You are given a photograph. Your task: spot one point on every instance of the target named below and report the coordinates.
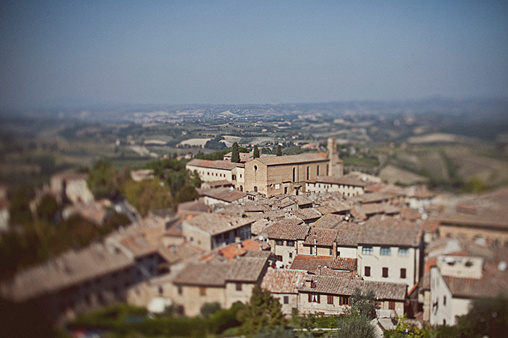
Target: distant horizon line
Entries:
(110, 105)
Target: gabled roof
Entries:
(307, 214)
(283, 280)
(216, 224)
(384, 230)
(491, 284)
(246, 269)
(288, 231)
(223, 194)
(311, 263)
(219, 164)
(329, 221)
(68, 269)
(346, 286)
(217, 272)
(321, 237)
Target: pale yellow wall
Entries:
(394, 263)
(472, 233)
(192, 301)
(196, 236)
(233, 296)
(284, 251)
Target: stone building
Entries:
(210, 171)
(209, 231)
(71, 187)
(217, 281)
(276, 175)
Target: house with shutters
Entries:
(389, 250)
(217, 280)
(331, 295)
(286, 239)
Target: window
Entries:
(317, 170)
(286, 299)
(344, 300)
(238, 286)
(308, 172)
(402, 273)
(385, 272)
(279, 242)
(331, 252)
(202, 291)
(180, 290)
(290, 255)
(338, 253)
(314, 298)
(385, 251)
(327, 170)
(161, 290)
(403, 252)
(279, 258)
(294, 174)
(367, 271)
(233, 177)
(255, 189)
(277, 186)
(367, 250)
(255, 168)
(290, 243)
(311, 250)
(444, 300)
(329, 299)
(391, 305)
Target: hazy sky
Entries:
(67, 53)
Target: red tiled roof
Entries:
(283, 280)
(288, 231)
(334, 285)
(224, 165)
(321, 237)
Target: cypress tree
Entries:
(256, 151)
(279, 150)
(235, 155)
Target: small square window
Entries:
(367, 250)
(279, 242)
(238, 286)
(385, 251)
(286, 299)
(403, 252)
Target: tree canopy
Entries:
(235, 155)
(262, 312)
(256, 151)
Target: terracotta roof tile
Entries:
(283, 280)
(288, 231)
(224, 165)
(321, 237)
(346, 286)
